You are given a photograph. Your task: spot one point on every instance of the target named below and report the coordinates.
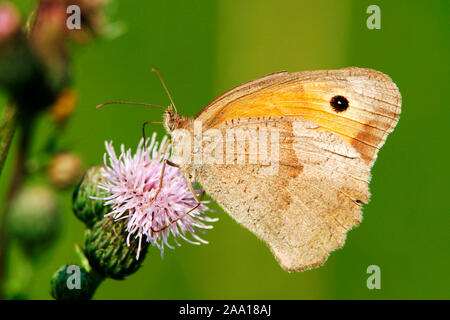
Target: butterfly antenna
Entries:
(126, 102)
(165, 88)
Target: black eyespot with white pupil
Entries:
(339, 103)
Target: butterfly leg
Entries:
(143, 129)
(163, 151)
(191, 188)
(165, 162)
(197, 200)
(160, 183)
(147, 123)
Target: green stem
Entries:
(7, 129)
(97, 280)
(19, 175)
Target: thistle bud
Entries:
(22, 71)
(34, 217)
(71, 282)
(108, 252)
(64, 170)
(85, 208)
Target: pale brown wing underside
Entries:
(304, 211)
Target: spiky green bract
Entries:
(86, 208)
(111, 252)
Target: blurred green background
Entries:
(204, 48)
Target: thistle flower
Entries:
(132, 182)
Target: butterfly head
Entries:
(173, 121)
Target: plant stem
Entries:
(7, 130)
(19, 175)
(97, 280)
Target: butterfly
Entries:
(329, 126)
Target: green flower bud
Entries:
(85, 208)
(71, 282)
(107, 250)
(34, 217)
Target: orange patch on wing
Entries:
(294, 101)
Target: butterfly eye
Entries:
(339, 103)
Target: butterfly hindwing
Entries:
(303, 210)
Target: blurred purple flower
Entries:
(132, 181)
(9, 21)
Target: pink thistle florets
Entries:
(132, 182)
